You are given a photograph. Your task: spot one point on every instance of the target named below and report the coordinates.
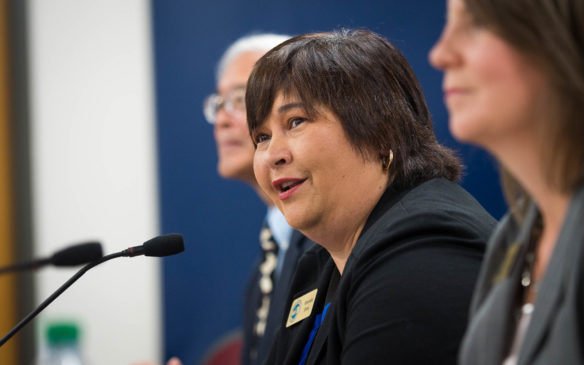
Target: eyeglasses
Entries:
(233, 102)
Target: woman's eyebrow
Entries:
(289, 106)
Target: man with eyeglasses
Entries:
(268, 285)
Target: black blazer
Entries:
(298, 244)
(404, 294)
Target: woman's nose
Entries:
(278, 151)
(443, 55)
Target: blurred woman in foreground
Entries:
(345, 148)
(514, 84)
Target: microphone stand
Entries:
(56, 294)
(160, 246)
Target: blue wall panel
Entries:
(220, 219)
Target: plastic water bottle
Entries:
(63, 347)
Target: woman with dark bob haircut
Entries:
(514, 84)
(345, 148)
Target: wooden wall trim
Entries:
(8, 353)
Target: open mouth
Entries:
(290, 184)
(287, 184)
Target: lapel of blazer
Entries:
(564, 258)
(492, 323)
(494, 315)
(324, 329)
(298, 244)
(297, 334)
(388, 199)
(321, 337)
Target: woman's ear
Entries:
(386, 160)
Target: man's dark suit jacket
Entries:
(298, 245)
(404, 294)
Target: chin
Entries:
(225, 172)
(293, 219)
(299, 219)
(463, 129)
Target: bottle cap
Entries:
(62, 332)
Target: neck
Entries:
(523, 161)
(552, 202)
(553, 207)
(339, 242)
(340, 234)
(340, 253)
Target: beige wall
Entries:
(93, 156)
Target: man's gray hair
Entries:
(260, 42)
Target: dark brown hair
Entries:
(550, 33)
(367, 83)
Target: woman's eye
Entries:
(261, 137)
(295, 122)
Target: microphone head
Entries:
(166, 245)
(77, 254)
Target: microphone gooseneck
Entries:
(153, 247)
(55, 295)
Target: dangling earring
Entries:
(387, 160)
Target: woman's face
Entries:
(308, 167)
(493, 94)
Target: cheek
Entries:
(260, 170)
(496, 87)
(331, 161)
(504, 73)
(512, 86)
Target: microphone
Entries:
(160, 246)
(74, 255)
